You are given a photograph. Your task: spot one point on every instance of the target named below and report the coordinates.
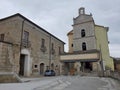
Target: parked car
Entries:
(49, 73)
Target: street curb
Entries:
(115, 79)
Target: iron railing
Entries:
(25, 43)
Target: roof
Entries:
(71, 32)
(106, 28)
(116, 60)
(18, 14)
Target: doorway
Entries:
(22, 64)
(41, 68)
(69, 68)
(88, 66)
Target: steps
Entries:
(9, 77)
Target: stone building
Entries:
(88, 46)
(26, 48)
(117, 64)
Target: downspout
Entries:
(22, 35)
(22, 29)
(50, 53)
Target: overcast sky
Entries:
(56, 16)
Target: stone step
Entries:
(9, 77)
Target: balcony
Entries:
(43, 48)
(25, 43)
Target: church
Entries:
(88, 47)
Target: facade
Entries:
(26, 48)
(88, 47)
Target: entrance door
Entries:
(22, 64)
(69, 68)
(88, 67)
(42, 68)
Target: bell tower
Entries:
(83, 32)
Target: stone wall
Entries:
(6, 57)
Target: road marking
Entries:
(62, 85)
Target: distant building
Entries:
(26, 48)
(88, 46)
(117, 64)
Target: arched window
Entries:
(82, 33)
(72, 45)
(83, 46)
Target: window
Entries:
(82, 33)
(71, 45)
(82, 11)
(43, 42)
(35, 66)
(59, 50)
(52, 48)
(26, 36)
(2, 37)
(25, 39)
(43, 47)
(83, 46)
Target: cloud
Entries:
(56, 16)
(114, 50)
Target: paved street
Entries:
(88, 83)
(63, 83)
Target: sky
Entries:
(56, 16)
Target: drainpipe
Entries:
(22, 29)
(50, 53)
(22, 35)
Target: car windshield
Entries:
(52, 71)
(47, 70)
